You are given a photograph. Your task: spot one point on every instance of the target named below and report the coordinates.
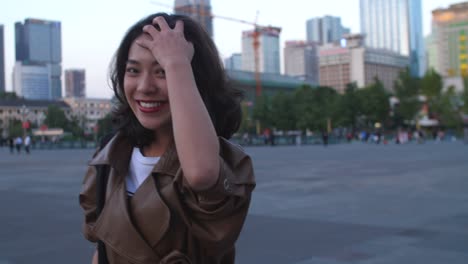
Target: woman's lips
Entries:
(151, 106)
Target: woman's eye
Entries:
(131, 70)
(160, 73)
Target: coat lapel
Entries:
(150, 214)
(115, 228)
(134, 232)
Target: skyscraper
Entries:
(234, 62)
(395, 25)
(325, 29)
(75, 83)
(199, 10)
(32, 81)
(301, 60)
(2, 61)
(268, 50)
(450, 40)
(39, 43)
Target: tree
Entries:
(314, 107)
(447, 109)
(326, 104)
(350, 106)
(283, 112)
(431, 84)
(56, 118)
(105, 126)
(15, 128)
(304, 108)
(465, 95)
(75, 128)
(262, 111)
(8, 95)
(375, 103)
(407, 91)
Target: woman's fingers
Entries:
(151, 30)
(144, 41)
(179, 26)
(161, 22)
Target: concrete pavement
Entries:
(351, 203)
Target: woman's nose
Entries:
(147, 83)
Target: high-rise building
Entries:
(301, 60)
(199, 10)
(2, 60)
(39, 42)
(268, 50)
(351, 62)
(325, 29)
(75, 83)
(450, 40)
(395, 25)
(431, 52)
(32, 81)
(234, 62)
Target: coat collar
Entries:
(116, 229)
(118, 151)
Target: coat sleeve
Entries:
(216, 216)
(87, 200)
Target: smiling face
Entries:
(146, 89)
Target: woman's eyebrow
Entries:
(130, 61)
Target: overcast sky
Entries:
(92, 29)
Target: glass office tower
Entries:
(39, 43)
(395, 25)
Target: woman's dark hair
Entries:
(221, 100)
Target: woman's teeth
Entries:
(150, 104)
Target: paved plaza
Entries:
(350, 203)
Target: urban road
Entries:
(349, 203)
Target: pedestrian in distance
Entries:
(325, 138)
(177, 190)
(27, 144)
(18, 144)
(11, 144)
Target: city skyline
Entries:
(38, 49)
(92, 30)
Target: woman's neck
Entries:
(162, 139)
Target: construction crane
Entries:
(258, 30)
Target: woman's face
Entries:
(145, 88)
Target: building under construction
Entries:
(199, 10)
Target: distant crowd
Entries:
(19, 143)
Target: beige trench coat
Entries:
(166, 221)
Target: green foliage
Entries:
(407, 90)
(375, 105)
(304, 108)
(105, 126)
(56, 118)
(465, 96)
(446, 108)
(350, 106)
(282, 111)
(262, 111)
(15, 128)
(431, 84)
(312, 107)
(75, 127)
(8, 95)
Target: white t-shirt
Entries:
(140, 168)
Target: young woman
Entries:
(178, 191)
